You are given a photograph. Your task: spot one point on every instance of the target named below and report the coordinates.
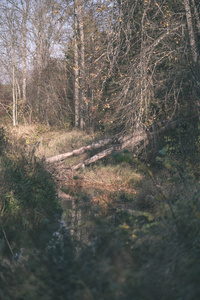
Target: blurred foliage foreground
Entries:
(92, 252)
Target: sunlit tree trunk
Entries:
(25, 12)
(76, 66)
(82, 67)
(14, 92)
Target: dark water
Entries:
(78, 218)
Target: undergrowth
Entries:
(144, 244)
(28, 198)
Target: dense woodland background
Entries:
(74, 72)
(100, 65)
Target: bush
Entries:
(3, 140)
(29, 203)
(30, 193)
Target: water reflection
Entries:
(78, 218)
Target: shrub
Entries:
(29, 192)
(3, 140)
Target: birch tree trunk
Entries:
(14, 81)
(14, 99)
(76, 66)
(82, 66)
(193, 44)
(25, 12)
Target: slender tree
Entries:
(25, 14)
(9, 35)
(82, 66)
(76, 66)
(191, 33)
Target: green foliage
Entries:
(123, 156)
(30, 195)
(184, 139)
(3, 140)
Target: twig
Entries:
(5, 236)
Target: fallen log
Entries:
(132, 140)
(94, 158)
(129, 141)
(79, 151)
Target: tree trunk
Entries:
(14, 99)
(82, 67)
(197, 17)
(76, 66)
(24, 33)
(191, 31)
(94, 158)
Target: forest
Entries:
(99, 149)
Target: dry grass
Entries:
(22, 131)
(49, 141)
(121, 174)
(104, 185)
(57, 142)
